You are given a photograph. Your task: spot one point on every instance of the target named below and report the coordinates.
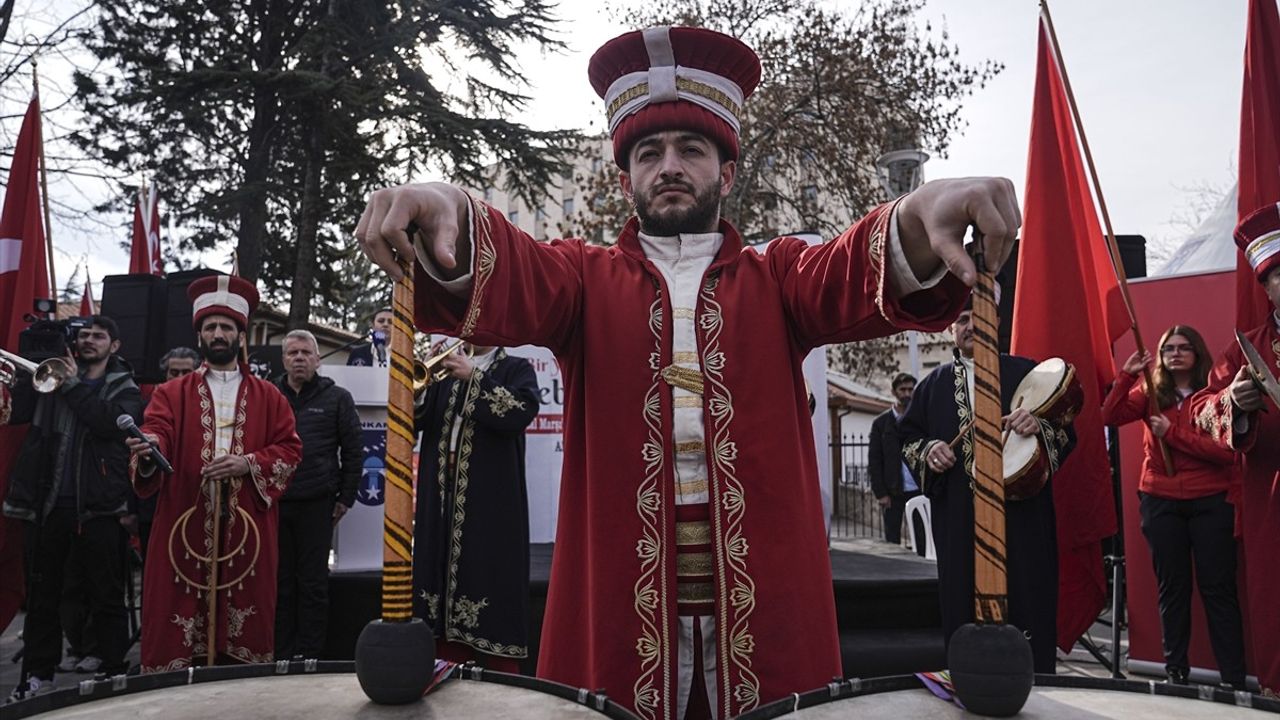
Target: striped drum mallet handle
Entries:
(990, 579)
(397, 551)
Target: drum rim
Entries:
(857, 687)
(88, 691)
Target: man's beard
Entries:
(701, 217)
(220, 354)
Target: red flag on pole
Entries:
(1259, 146)
(1064, 262)
(87, 305)
(144, 253)
(24, 276)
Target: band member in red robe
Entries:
(1228, 409)
(220, 427)
(691, 574)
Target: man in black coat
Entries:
(471, 534)
(70, 484)
(940, 407)
(322, 490)
(891, 481)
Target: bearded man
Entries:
(690, 575)
(229, 436)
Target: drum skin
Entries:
(1026, 466)
(318, 697)
(1051, 392)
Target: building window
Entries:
(596, 164)
(488, 194)
(568, 207)
(514, 217)
(810, 193)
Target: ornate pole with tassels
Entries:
(395, 655)
(991, 663)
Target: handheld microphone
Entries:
(126, 423)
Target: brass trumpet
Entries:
(45, 377)
(428, 371)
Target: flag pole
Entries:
(44, 181)
(1153, 408)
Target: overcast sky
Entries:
(1158, 83)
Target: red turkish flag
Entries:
(1259, 146)
(144, 252)
(24, 276)
(1068, 304)
(87, 306)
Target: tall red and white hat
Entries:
(674, 78)
(1258, 237)
(228, 295)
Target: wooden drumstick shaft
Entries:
(211, 596)
(397, 526)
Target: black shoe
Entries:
(1177, 676)
(1239, 685)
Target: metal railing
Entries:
(854, 510)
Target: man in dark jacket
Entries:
(322, 490)
(70, 485)
(891, 481)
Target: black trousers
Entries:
(96, 550)
(893, 520)
(1179, 531)
(302, 587)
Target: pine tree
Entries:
(270, 121)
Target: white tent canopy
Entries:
(1210, 247)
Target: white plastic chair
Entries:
(920, 504)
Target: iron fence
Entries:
(854, 509)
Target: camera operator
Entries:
(70, 485)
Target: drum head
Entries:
(1045, 703)
(1042, 385)
(1054, 697)
(322, 695)
(1020, 452)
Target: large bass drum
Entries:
(1054, 697)
(312, 690)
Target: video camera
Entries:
(45, 338)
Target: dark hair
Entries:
(1166, 390)
(902, 379)
(106, 323)
(179, 353)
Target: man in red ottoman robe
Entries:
(690, 575)
(219, 427)
(1228, 409)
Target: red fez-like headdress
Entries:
(228, 295)
(674, 78)
(1258, 237)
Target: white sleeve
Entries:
(903, 280)
(461, 286)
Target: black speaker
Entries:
(266, 361)
(177, 325)
(137, 304)
(1133, 255)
